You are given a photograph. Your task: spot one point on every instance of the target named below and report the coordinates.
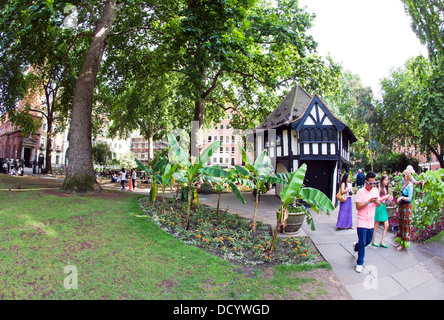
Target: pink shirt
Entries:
(366, 216)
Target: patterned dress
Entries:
(405, 217)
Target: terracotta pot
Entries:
(206, 189)
(294, 222)
(391, 211)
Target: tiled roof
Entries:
(290, 108)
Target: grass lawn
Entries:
(118, 255)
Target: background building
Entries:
(140, 147)
(229, 154)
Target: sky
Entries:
(368, 37)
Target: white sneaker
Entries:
(358, 268)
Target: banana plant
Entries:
(294, 191)
(165, 178)
(157, 168)
(260, 174)
(220, 176)
(192, 167)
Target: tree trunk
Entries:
(149, 136)
(80, 176)
(439, 154)
(255, 211)
(199, 115)
(49, 147)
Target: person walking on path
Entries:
(381, 214)
(123, 178)
(405, 210)
(133, 177)
(345, 214)
(366, 202)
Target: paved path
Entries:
(415, 273)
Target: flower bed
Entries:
(229, 236)
(421, 232)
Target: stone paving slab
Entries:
(411, 277)
(371, 288)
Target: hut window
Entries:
(312, 135)
(324, 135)
(331, 135)
(278, 140)
(318, 135)
(305, 135)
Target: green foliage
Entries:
(259, 172)
(411, 110)
(192, 167)
(221, 177)
(294, 192)
(427, 21)
(392, 162)
(156, 169)
(101, 153)
(354, 105)
(433, 200)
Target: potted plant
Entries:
(295, 217)
(391, 208)
(206, 188)
(294, 191)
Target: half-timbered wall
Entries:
(318, 135)
(314, 137)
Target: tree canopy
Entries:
(224, 54)
(412, 107)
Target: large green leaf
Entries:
(141, 166)
(245, 157)
(242, 171)
(216, 172)
(169, 171)
(290, 191)
(279, 178)
(153, 191)
(316, 199)
(262, 165)
(236, 192)
(205, 155)
(177, 150)
(159, 165)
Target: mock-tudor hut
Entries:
(303, 130)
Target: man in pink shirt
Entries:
(366, 202)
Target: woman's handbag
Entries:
(341, 196)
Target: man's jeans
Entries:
(365, 237)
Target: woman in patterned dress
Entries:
(405, 212)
